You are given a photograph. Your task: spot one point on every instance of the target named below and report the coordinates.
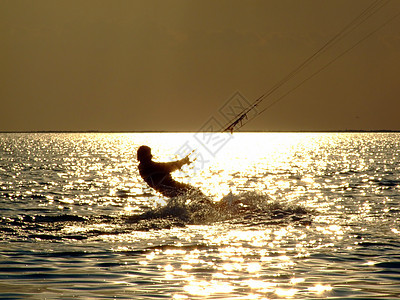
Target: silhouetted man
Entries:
(158, 175)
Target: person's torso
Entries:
(154, 174)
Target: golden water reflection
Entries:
(257, 264)
(252, 260)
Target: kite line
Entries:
(242, 118)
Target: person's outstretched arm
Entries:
(174, 165)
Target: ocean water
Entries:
(309, 216)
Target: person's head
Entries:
(144, 154)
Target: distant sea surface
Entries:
(310, 215)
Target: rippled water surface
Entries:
(309, 216)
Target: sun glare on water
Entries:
(249, 261)
(302, 216)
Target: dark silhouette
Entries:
(158, 175)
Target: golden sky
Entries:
(172, 65)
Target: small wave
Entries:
(387, 183)
(53, 219)
(389, 265)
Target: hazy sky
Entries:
(171, 65)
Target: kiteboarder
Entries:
(158, 175)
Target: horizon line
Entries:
(190, 131)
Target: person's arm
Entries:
(174, 165)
